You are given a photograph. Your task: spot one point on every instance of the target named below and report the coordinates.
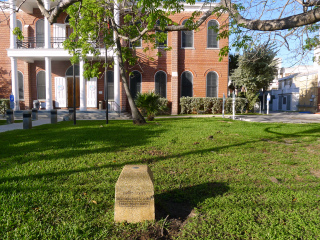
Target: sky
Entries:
(272, 9)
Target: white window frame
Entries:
(192, 37)
(42, 99)
(181, 82)
(22, 99)
(208, 34)
(38, 21)
(217, 83)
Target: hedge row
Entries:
(210, 105)
(4, 105)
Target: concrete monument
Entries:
(134, 198)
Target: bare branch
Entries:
(298, 20)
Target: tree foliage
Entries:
(257, 67)
(95, 27)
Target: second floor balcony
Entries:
(56, 42)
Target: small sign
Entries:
(268, 97)
(60, 88)
(11, 98)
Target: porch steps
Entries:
(81, 115)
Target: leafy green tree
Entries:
(95, 21)
(257, 68)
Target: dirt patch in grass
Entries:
(152, 152)
(315, 173)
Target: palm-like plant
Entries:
(149, 103)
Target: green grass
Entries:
(250, 181)
(4, 122)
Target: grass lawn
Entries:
(4, 122)
(247, 181)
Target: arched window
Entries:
(212, 84)
(160, 81)
(20, 85)
(212, 41)
(186, 38)
(110, 78)
(40, 33)
(135, 83)
(69, 71)
(19, 25)
(41, 85)
(186, 84)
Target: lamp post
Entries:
(106, 82)
(268, 100)
(223, 101)
(74, 96)
(233, 105)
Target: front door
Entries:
(70, 92)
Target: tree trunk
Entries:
(136, 115)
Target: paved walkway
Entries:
(44, 117)
(283, 117)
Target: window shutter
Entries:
(40, 33)
(161, 84)
(186, 38)
(61, 92)
(187, 82)
(135, 83)
(41, 85)
(212, 35)
(20, 84)
(92, 93)
(212, 84)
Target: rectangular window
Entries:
(162, 44)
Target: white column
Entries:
(14, 81)
(13, 24)
(48, 83)
(116, 62)
(47, 32)
(83, 98)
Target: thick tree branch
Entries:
(54, 12)
(298, 20)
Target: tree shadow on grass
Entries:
(313, 132)
(179, 203)
(72, 141)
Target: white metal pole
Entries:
(223, 101)
(260, 106)
(116, 67)
(268, 100)
(233, 105)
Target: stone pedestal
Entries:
(54, 117)
(27, 122)
(34, 114)
(134, 199)
(10, 116)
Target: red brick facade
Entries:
(199, 60)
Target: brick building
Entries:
(38, 68)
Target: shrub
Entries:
(164, 109)
(150, 104)
(4, 105)
(210, 105)
(185, 103)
